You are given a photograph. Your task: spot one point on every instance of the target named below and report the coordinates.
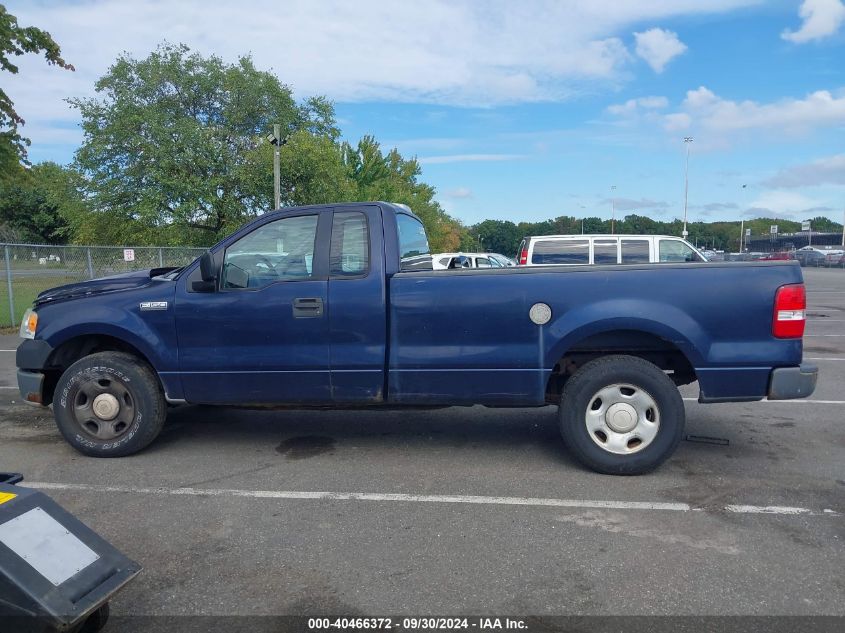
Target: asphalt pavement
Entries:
(466, 510)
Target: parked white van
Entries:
(571, 250)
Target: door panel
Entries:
(263, 336)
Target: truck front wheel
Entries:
(109, 404)
(621, 415)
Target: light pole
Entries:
(612, 209)
(276, 140)
(687, 142)
(582, 220)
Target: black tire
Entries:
(130, 383)
(625, 374)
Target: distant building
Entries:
(791, 241)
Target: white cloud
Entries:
(467, 158)
(458, 193)
(821, 18)
(658, 47)
(824, 171)
(439, 51)
(704, 110)
(641, 103)
(630, 204)
(783, 203)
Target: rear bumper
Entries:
(31, 385)
(787, 383)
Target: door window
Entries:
(635, 252)
(282, 250)
(350, 247)
(677, 251)
(482, 262)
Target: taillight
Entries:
(523, 257)
(789, 317)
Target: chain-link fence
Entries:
(28, 269)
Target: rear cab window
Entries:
(414, 252)
(349, 255)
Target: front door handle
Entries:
(307, 307)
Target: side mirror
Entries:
(207, 273)
(207, 267)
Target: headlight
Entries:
(28, 324)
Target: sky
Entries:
(518, 110)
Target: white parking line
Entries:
(411, 498)
(822, 335)
(822, 358)
(782, 401)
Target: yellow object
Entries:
(6, 496)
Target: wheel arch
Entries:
(75, 348)
(664, 347)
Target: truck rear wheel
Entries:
(621, 415)
(109, 404)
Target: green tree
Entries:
(496, 236)
(172, 144)
(31, 205)
(821, 224)
(378, 176)
(16, 40)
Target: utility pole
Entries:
(612, 209)
(843, 228)
(741, 234)
(277, 141)
(687, 142)
(277, 172)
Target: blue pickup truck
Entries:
(338, 306)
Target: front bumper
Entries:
(31, 385)
(31, 358)
(787, 383)
(33, 354)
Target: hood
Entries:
(113, 283)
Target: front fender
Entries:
(153, 336)
(628, 314)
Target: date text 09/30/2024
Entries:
(417, 624)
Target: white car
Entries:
(442, 261)
(572, 250)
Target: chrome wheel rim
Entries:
(622, 418)
(103, 408)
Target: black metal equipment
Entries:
(56, 574)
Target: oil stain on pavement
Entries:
(305, 446)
